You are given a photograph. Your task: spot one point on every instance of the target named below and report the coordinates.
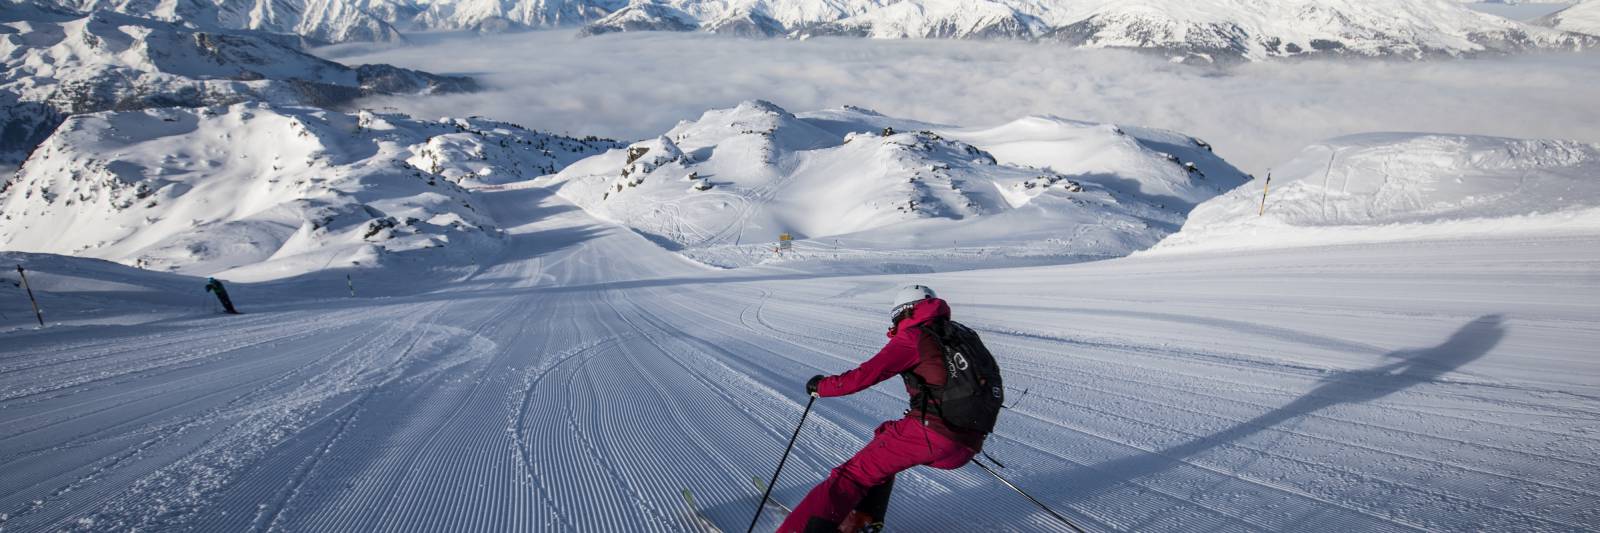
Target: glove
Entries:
(811, 386)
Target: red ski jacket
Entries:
(909, 349)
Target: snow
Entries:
(1208, 30)
(1583, 17)
(586, 376)
(254, 191)
(467, 325)
(848, 185)
(1400, 187)
(58, 63)
(319, 20)
(1514, 10)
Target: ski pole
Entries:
(1024, 494)
(774, 483)
(29, 288)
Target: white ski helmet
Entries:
(908, 296)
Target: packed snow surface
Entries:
(849, 183)
(269, 192)
(583, 377)
(1402, 186)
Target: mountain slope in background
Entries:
(503, 15)
(265, 191)
(720, 189)
(323, 21)
(1255, 29)
(1402, 186)
(1212, 30)
(58, 63)
(1583, 17)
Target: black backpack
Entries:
(973, 393)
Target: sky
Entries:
(632, 86)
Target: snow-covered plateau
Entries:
(58, 63)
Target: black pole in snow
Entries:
(36, 313)
(1030, 498)
(785, 458)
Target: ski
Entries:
(698, 515)
(775, 505)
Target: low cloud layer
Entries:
(638, 85)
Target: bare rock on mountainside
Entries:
(59, 63)
(268, 191)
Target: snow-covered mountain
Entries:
(58, 63)
(326, 21)
(1405, 186)
(722, 188)
(939, 19)
(1205, 29)
(267, 191)
(1583, 17)
(503, 15)
(1217, 30)
(1257, 29)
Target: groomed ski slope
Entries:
(584, 378)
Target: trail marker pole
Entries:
(1264, 188)
(36, 313)
(352, 284)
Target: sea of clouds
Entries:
(632, 86)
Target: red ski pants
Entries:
(897, 445)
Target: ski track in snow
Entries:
(583, 386)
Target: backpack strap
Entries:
(925, 392)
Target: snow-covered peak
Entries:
(759, 120)
(266, 191)
(328, 21)
(1211, 30)
(1583, 17)
(502, 15)
(1401, 186)
(718, 187)
(643, 17)
(1256, 29)
(58, 62)
(1172, 168)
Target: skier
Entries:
(855, 495)
(214, 286)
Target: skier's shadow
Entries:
(1409, 367)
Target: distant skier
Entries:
(214, 286)
(855, 495)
